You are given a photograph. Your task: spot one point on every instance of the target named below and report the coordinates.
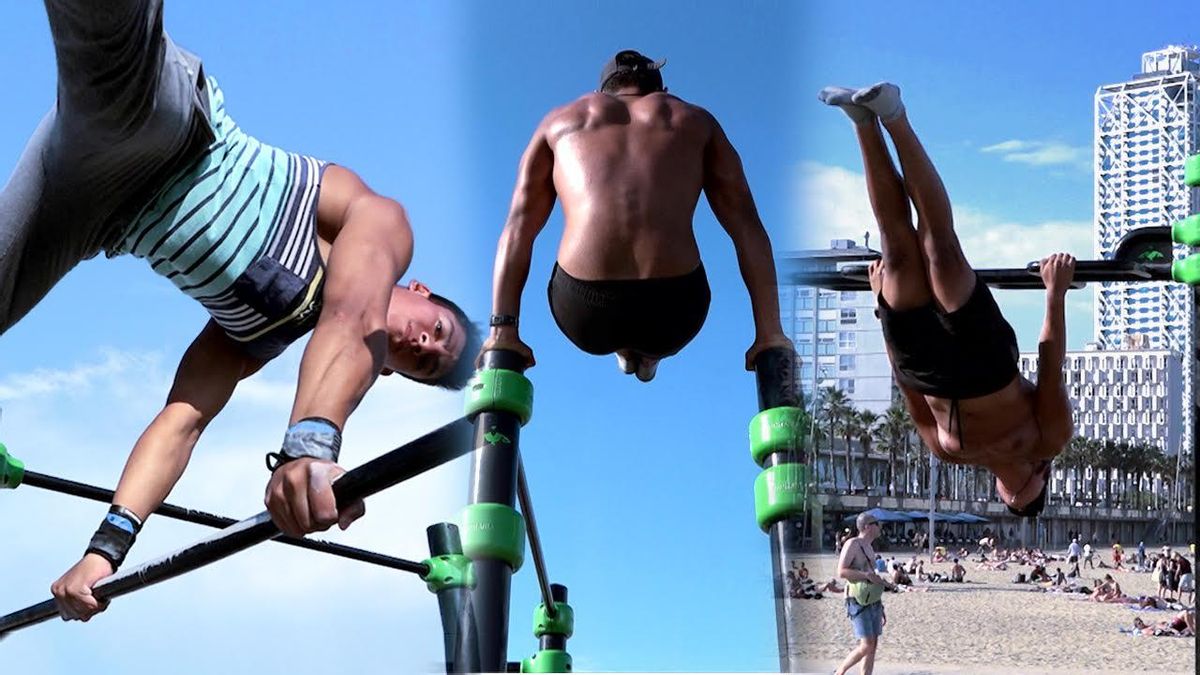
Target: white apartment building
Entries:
(1145, 128)
(837, 337)
(1122, 394)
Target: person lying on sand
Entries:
(1182, 624)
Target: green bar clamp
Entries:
(780, 491)
(499, 390)
(547, 661)
(12, 470)
(1187, 231)
(562, 623)
(1191, 171)
(773, 430)
(453, 570)
(494, 531)
(1187, 271)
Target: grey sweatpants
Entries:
(129, 113)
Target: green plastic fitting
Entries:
(562, 623)
(453, 570)
(494, 531)
(1187, 271)
(547, 661)
(1191, 171)
(773, 430)
(499, 390)
(1187, 231)
(780, 492)
(12, 470)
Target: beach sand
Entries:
(990, 625)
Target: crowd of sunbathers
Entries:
(801, 586)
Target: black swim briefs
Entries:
(653, 317)
(967, 353)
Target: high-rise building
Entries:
(1145, 128)
(837, 337)
(1122, 395)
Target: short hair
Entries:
(647, 80)
(863, 520)
(464, 367)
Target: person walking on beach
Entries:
(864, 594)
(1074, 551)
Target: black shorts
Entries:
(653, 317)
(967, 353)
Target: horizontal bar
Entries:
(431, 450)
(98, 494)
(854, 277)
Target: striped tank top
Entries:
(236, 231)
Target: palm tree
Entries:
(893, 430)
(868, 423)
(835, 406)
(1073, 460)
(850, 429)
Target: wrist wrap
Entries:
(116, 535)
(314, 437)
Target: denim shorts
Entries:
(867, 621)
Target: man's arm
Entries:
(1051, 404)
(372, 247)
(207, 375)
(532, 201)
(728, 195)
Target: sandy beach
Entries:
(991, 625)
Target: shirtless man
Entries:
(139, 155)
(864, 603)
(629, 163)
(954, 355)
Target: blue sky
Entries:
(643, 492)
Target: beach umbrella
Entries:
(972, 518)
(882, 515)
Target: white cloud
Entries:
(832, 204)
(80, 423)
(82, 376)
(1042, 153)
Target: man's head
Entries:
(630, 69)
(430, 339)
(867, 524)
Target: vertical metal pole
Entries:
(493, 481)
(775, 374)
(933, 475)
(454, 604)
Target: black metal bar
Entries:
(411, 459)
(854, 277)
(774, 372)
(98, 494)
(535, 541)
(493, 481)
(454, 604)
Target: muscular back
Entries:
(628, 171)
